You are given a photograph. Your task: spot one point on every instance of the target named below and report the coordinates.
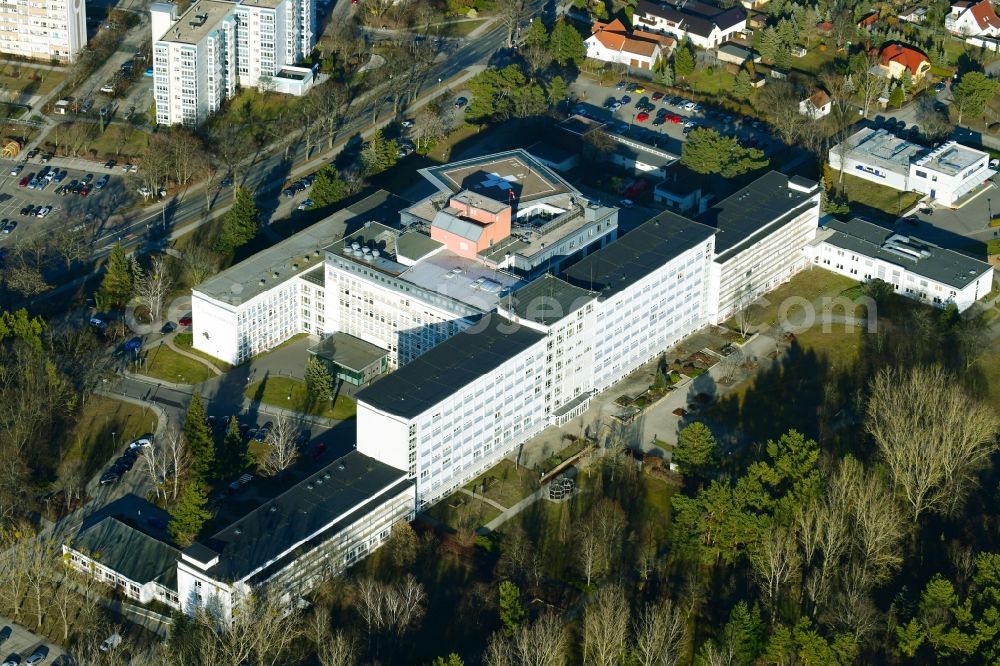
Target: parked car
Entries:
(109, 477)
(110, 164)
(12, 660)
(626, 203)
(185, 320)
(407, 124)
(108, 88)
(24, 182)
(135, 344)
(16, 169)
(43, 211)
(642, 117)
(141, 442)
(306, 205)
(111, 642)
(101, 182)
(288, 192)
(461, 102)
(169, 327)
(5, 634)
(38, 656)
(9, 227)
(61, 176)
(264, 431)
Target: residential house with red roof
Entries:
(816, 105)
(613, 42)
(896, 58)
(973, 19)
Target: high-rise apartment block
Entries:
(43, 29)
(202, 57)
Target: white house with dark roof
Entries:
(135, 564)
(915, 268)
(706, 25)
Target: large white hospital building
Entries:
(201, 57)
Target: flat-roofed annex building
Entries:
(291, 543)
(945, 173)
(914, 267)
(43, 29)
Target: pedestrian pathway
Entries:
(514, 510)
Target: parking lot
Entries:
(20, 204)
(23, 642)
(627, 118)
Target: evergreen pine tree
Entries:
(328, 188)
(199, 440)
(536, 36)
(119, 279)
(235, 455)
(695, 452)
(241, 223)
(319, 381)
(897, 96)
(189, 514)
(743, 86)
(511, 611)
(663, 72)
(683, 59)
(566, 44)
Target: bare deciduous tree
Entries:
(933, 436)
(177, 458)
(660, 632)
(543, 643)
(775, 562)
(199, 263)
(152, 286)
(605, 627)
(260, 633)
(282, 450)
(333, 648)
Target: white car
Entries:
(140, 443)
(111, 642)
(306, 205)
(16, 169)
(44, 211)
(407, 124)
(690, 106)
(144, 191)
(107, 88)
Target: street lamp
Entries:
(114, 443)
(989, 207)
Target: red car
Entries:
(24, 182)
(657, 96)
(674, 118)
(642, 117)
(185, 320)
(85, 191)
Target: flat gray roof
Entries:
(131, 552)
(765, 204)
(496, 176)
(201, 18)
(462, 279)
(548, 299)
(952, 158)
(414, 246)
(884, 149)
(300, 252)
(915, 255)
(304, 513)
(348, 351)
(449, 366)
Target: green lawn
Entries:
(186, 342)
(292, 394)
(989, 365)
(711, 81)
(19, 78)
(811, 284)
(814, 61)
(505, 483)
(461, 28)
(463, 513)
(101, 431)
(840, 346)
(166, 364)
(865, 195)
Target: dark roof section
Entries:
(134, 554)
(763, 205)
(694, 16)
(307, 510)
(914, 254)
(548, 299)
(637, 254)
(446, 368)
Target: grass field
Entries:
(91, 443)
(811, 284)
(840, 347)
(166, 364)
(814, 61)
(864, 196)
(186, 342)
(711, 81)
(292, 394)
(506, 483)
(19, 79)
(463, 513)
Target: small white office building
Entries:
(915, 268)
(945, 174)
